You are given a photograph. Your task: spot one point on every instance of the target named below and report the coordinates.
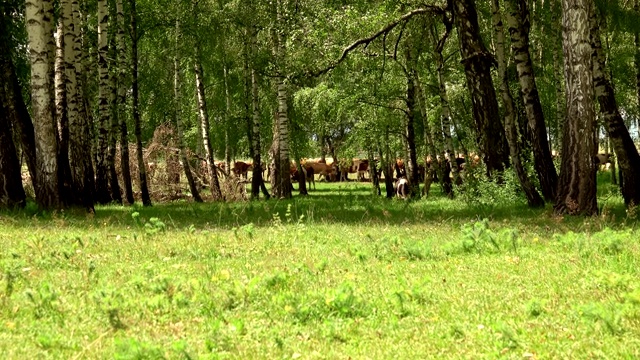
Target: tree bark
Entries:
(627, 154)
(114, 125)
(103, 195)
(61, 113)
(177, 92)
(257, 182)
(214, 183)
(144, 188)
(46, 182)
(11, 191)
(518, 22)
(636, 58)
(280, 180)
(120, 119)
(533, 198)
(445, 119)
(15, 108)
(410, 134)
(477, 62)
(577, 184)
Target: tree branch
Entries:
(382, 32)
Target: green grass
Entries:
(338, 274)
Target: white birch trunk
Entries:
(46, 182)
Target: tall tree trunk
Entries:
(114, 126)
(177, 92)
(15, 108)
(533, 198)
(257, 182)
(120, 119)
(518, 22)
(103, 196)
(477, 62)
(410, 134)
(205, 128)
(445, 119)
(556, 12)
(80, 164)
(144, 187)
(280, 180)
(627, 154)
(577, 185)
(227, 118)
(11, 191)
(636, 38)
(61, 113)
(46, 183)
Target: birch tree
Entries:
(577, 183)
(46, 184)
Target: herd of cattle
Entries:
(330, 171)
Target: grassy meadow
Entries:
(339, 274)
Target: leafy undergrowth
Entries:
(335, 275)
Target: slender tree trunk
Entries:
(412, 164)
(11, 191)
(144, 188)
(556, 12)
(577, 185)
(533, 198)
(121, 120)
(61, 113)
(80, 159)
(15, 108)
(445, 119)
(627, 154)
(114, 126)
(518, 21)
(177, 92)
(636, 38)
(477, 64)
(46, 183)
(227, 117)
(205, 129)
(103, 196)
(257, 182)
(281, 182)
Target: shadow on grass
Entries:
(346, 204)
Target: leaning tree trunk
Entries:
(533, 198)
(627, 154)
(135, 106)
(46, 182)
(15, 108)
(577, 185)
(177, 92)
(103, 196)
(11, 191)
(205, 129)
(518, 22)
(477, 62)
(120, 120)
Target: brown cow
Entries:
(323, 170)
(308, 174)
(240, 168)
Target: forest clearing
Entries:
(319, 179)
(337, 274)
